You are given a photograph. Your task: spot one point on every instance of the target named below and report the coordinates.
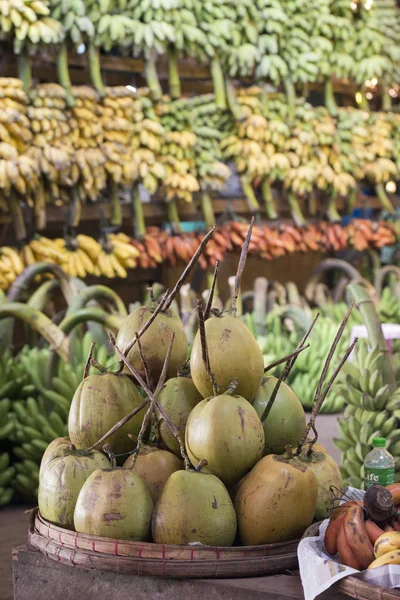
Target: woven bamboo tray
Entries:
(355, 588)
(137, 558)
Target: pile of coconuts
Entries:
(176, 451)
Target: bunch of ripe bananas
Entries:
(146, 142)
(28, 22)
(177, 151)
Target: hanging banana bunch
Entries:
(272, 25)
(77, 28)
(336, 46)
(19, 178)
(208, 121)
(375, 55)
(177, 155)
(381, 168)
(51, 147)
(388, 20)
(112, 28)
(245, 141)
(276, 111)
(154, 30)
(299, 45)
(146, 147)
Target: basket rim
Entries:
(37, 517)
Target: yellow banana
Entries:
(90, 246)
(80, 269)
(119, 270)
(390, 558)
(387, 542)
(85, 260)
(16, 261)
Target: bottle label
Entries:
(382, 476)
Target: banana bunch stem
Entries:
(331, 211)
(116, 208)
(152, 77)
(270, 207)
(233, 104)
(330, 101)
(312, 203)
(75, 208)
(95, 68)
(250, 195)
(173, 216)
(295, 210)
(371, 319)
(173, 74)
(139, 225)
(364, 105)
(207, 209)
(219, 83)
(290, 92)
(15, 209)
(384, 198)
(25, 70)
(386, 98)
(40, 208)
(63, 74)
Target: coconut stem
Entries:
(149, 393)
(88, 361)
(120, 423)
(242, 263)
(318, 404)
(145, 365)
(288, 367)
(154, 399)
(108, 450)
(189, 267)
(331, 353)
(95, 363)
(159, 308)
(212, 290)
(202, 463)
(204, 349)
(285, 358)
(232, 387)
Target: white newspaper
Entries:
(318, 570)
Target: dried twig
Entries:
(149, 393)
(120, 423)
(331, 353)
(320, 401)
(88, 361)
(204, 349)
(159, 308)
(189, 267)
(242, 263)
(154, 399)
(145, 365)
(212, 290)
(285, 358)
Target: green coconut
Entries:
(154, 466)
(100, 401)
(225, 431)
(286, 421)
(194, 507)
(328, 474)
(114, 503)
(61, 479)
(276, 501)
(233, 354)
(55, 448)
(154, 341)
(178, 398)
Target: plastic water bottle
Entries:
(378, 465)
